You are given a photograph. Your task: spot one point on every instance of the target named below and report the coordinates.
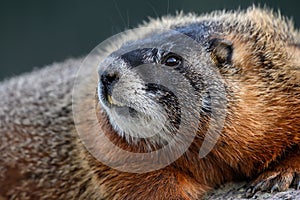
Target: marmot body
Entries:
(257, 55)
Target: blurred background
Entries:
(37, 33)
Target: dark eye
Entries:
(172, 60)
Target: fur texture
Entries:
(41, 157)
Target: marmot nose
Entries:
(108, 80)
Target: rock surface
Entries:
(234, 191)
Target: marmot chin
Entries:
(256, 52)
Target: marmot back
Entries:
(255, 52)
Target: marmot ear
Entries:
(220, 51)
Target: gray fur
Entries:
(37, 134)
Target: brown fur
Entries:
(43, 159)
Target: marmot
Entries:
(257, 55)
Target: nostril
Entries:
(108, 80)
(112, 78)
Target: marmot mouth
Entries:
(120, 108)
(105, 97)
(125, 110)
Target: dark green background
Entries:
(37, 33)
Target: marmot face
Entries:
(141, 85)
(136, 108)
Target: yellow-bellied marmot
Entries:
(257, 56)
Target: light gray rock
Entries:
(234, 191)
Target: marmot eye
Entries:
(172, 60)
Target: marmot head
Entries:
(224, 79)
(168, 79)
(196, 72)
